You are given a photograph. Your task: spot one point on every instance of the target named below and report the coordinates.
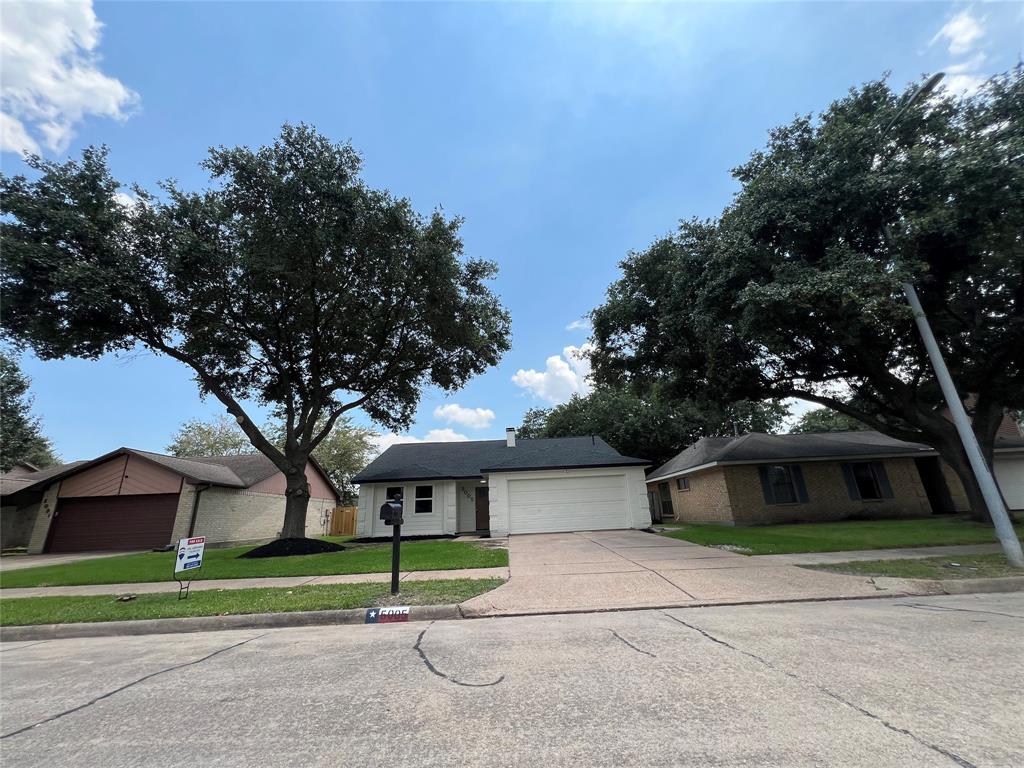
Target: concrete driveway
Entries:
(599, 570)
(18, 562)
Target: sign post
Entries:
(189, 558)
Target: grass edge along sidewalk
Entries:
(960, 567)
(225, 563)
(27, 611)
(846, 535)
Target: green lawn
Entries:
(961, 567)
(837, 537)
(220, 602)
(434, 555)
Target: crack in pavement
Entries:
(624, 640)
(21, 647)
(419, 649)
(641, 565)
(964, 763)
(126, 686)
(922, 607)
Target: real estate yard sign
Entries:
(190, 554)
(188, 558)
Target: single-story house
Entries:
(758, 478)
(130, 499)
(504, 486)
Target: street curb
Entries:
(919, 588)
(214, 623)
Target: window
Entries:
(780, 481)
(683, 483)
(424, 499)
(390, 493)
(866, 478)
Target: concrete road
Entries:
(893, 682)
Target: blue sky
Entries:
(565, 134)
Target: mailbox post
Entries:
(391, 514)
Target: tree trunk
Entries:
(953, 454)
(296, 501)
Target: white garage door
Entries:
(1010, 476)
(582, 503)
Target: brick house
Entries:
(758, 479)
(130, 499)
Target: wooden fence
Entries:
(343, 521)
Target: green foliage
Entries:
(219, 437)
(649, 428)
(795, 291)
(21, 437)
(826, 420)
(288, 281)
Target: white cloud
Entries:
(583, 324)
(51, 75)
(962, 32)
(385, 441)
(474, 418)
(563, 376)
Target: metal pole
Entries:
(395, 544)
(982, 473)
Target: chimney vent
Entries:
(510, 437)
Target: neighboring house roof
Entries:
(241, 471)
(474, 458)
(11, 484)
(757, 447)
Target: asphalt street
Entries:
(894, 682)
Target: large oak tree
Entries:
(288, 281)
(795, 290)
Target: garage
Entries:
(142, 521)
(574, 503)
(1009, 471)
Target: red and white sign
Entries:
(190, 554)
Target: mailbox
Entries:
(391, 512)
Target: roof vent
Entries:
(510, 437)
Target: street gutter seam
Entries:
(22, 647)
(964, 763)
(418, 648)
(126, 686)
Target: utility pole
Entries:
(986, 482)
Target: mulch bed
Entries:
(289, 547)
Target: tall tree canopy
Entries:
(346, 449)
(795, 290)
(826, 420)
(221, 436)
(649, 428)
(288, 281)
(21, 435)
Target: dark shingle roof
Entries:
(472, 458)
(11, 484)
(757, 446)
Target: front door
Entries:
(483, 509)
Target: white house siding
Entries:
(1009, 471)
(440, 521)
(630, 507)
(465, 492)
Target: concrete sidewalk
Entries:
(610, 570)
(152, 587)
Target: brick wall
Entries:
(42, 527)
(228, 516)
(827, 495)
(956, 488)
(707, 501)
(16, 525)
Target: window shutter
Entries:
(883, 479)
(766, 487)
(851, 483)
(798, 478)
